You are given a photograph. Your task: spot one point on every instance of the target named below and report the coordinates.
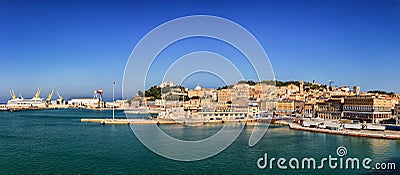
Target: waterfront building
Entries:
(268, 105)
(220, 107)
(85, 102)
(193, 104)
(285, 107)
(309, 108)
(122, 103)
(253, 110)
(241, 105)
(113, 104)
(331, 109)
(368, 108)
(299, 107)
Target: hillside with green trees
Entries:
(276, 83)
(382, 92)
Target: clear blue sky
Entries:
(81, 46)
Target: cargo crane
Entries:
(37, 95)
(13, 94)
(60, 98)
(50, 95)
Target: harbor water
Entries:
(56, 142)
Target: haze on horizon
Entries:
(82, 46)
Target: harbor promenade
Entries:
(395, 135)
(124, 121)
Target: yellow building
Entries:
(285, 107)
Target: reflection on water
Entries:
(55, 142)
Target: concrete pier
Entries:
(394, 135)
(125, 121)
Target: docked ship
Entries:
(3, 107)
(26, 104)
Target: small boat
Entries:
(374, 127)
(305, 124)
(322, 126)
(3, 108)
(332, 125)
(313, 124)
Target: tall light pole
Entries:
(113, 99)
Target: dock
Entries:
(393, 135)
(124, 121)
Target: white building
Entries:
(87, 102)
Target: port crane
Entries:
(60, 98)
(37, 95)
(50, 95)
(13, 94)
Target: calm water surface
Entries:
(54, 141)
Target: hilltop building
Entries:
(203, 93)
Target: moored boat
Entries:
(375, 127)
(354, 125)
(4, 107)
(332, 125)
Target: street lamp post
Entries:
(113, 100)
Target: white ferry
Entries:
(23, 104)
